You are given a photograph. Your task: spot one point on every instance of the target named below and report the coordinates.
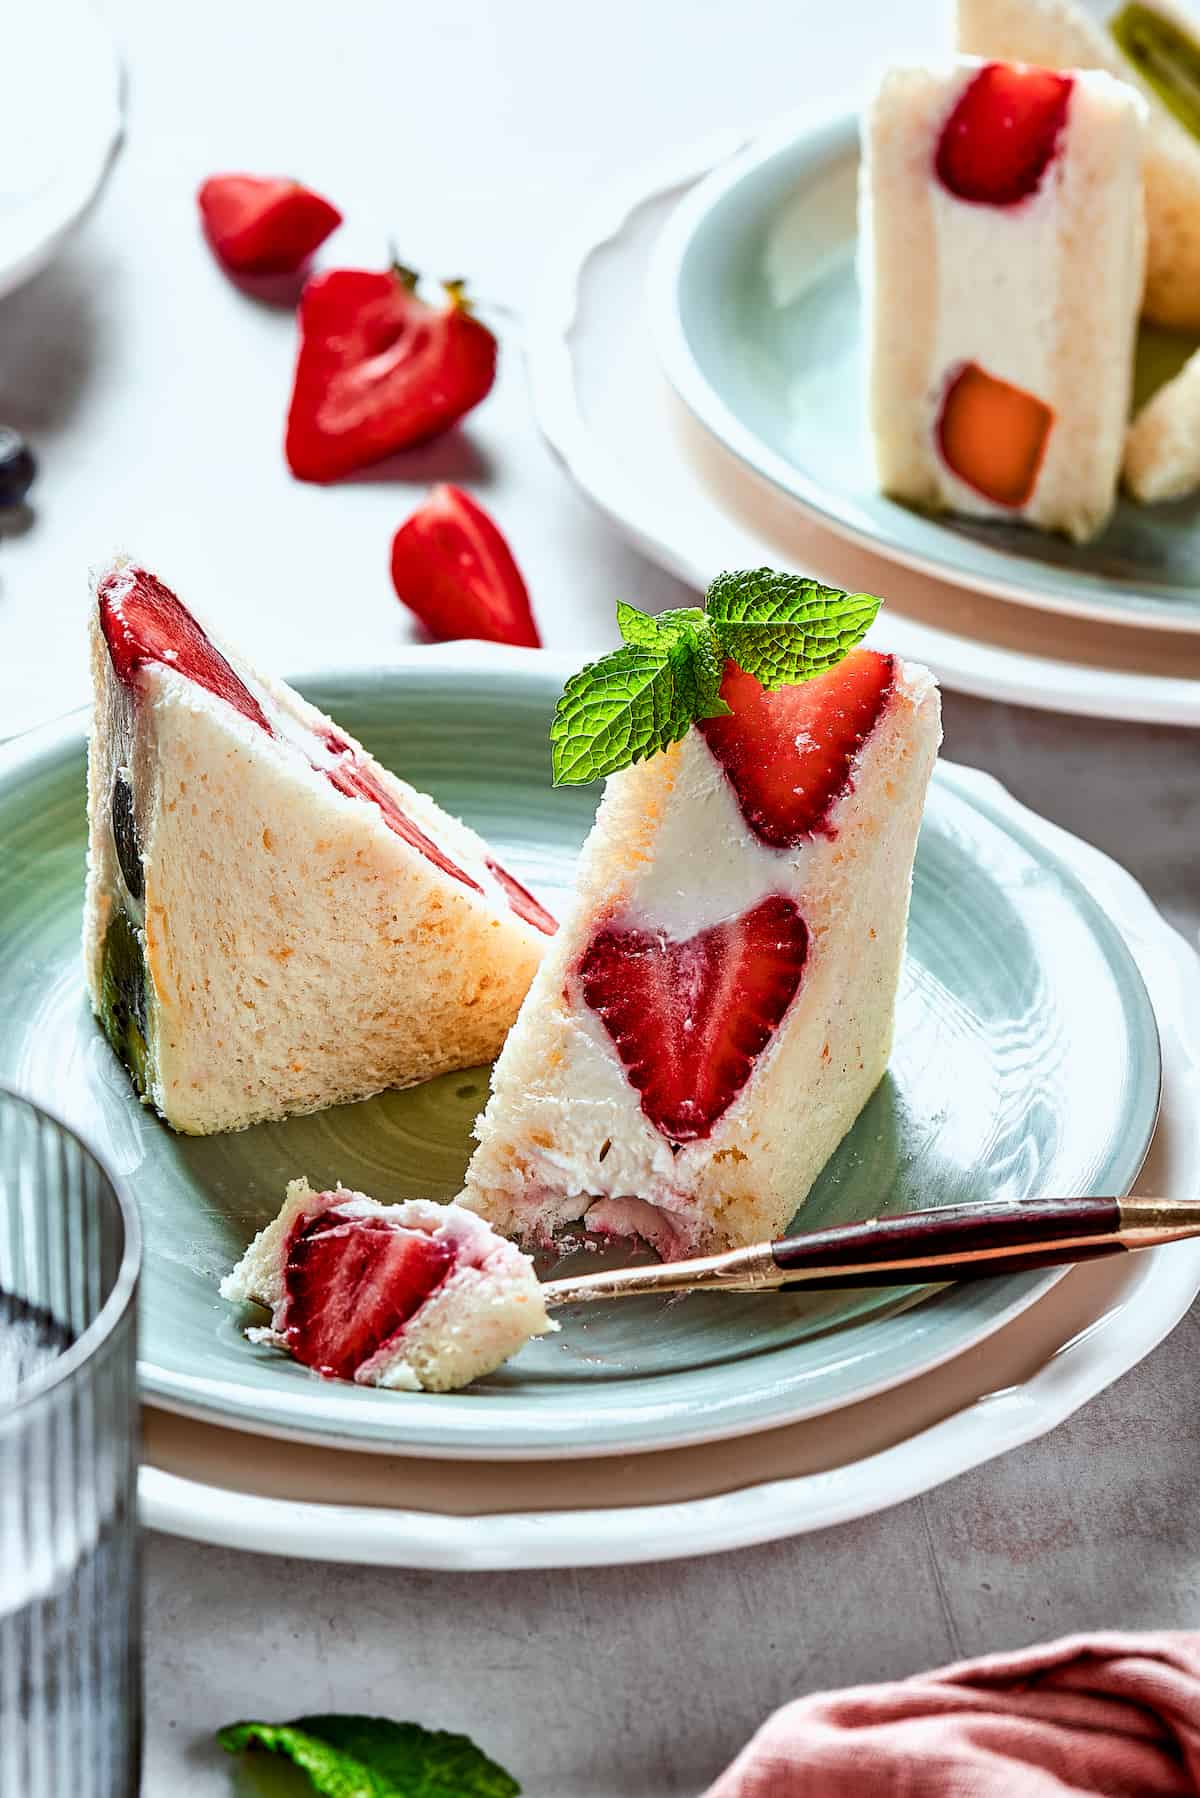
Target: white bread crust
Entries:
(300, 954)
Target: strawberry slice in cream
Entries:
(717, 1009)
(415, 1296)
(1003, 251)
(274, 922)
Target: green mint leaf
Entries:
(659, 630)
(371, 1757)
(638, 628)
(643, 697)
(784, 629)
(708, 671)
(621, 709)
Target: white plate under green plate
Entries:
(1027, 1063)
(755, 312)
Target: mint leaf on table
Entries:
(781, 628)
(784, 629)
(371, 1757)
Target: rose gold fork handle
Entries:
(955, 1242)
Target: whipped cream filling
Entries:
(708, 865)
(998, 285)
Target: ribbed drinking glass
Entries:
(70, 1607)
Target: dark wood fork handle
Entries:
(957, 1242)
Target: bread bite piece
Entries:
(1065, 34)
(719, 1004)
(417, 1296)
(274, 922)
(1162, 449)
(1003, 246)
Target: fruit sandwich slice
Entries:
(417, 1296)
(1157, 49)
(1003, 256)
(718, 1007)
(274, 922)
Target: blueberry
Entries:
(17, 467)
(125, 838)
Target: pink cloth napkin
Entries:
(1099, 1714)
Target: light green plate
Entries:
(1027, 1063)
(755, 311)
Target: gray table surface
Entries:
(155, 393)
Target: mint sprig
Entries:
(371, 1757)
(784, 629)
(781, 628)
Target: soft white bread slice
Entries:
(1027, 310)
(484, 1302)
(1061, 34)
(259, 940)
(1162, 450)
(674, 874)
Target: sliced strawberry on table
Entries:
(689, 1018)
(350, 1284)
(379, 370)
(263, 225)
(1003, 133)
(142, 621)
(452, 567)
(789, 755)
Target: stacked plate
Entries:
(696, 360)
(60, 125)
(1028, 1062)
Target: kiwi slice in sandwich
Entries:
(1165, 56)
(123, 996)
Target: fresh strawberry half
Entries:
(378, 370)
(350, 1284)
(1003, 133)
(451, 566)
(789, 755)
(260, 225)
(689, 1019)
(142, 622)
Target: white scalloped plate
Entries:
(284, 1498)
(60, 124)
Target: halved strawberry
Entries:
(451, 566)
(260, 225)
(379, 370)
(142, 622)
(689, 1019)
(350, 1284)
(789, 755)
(1003, 133)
